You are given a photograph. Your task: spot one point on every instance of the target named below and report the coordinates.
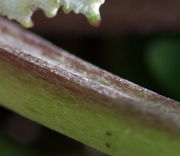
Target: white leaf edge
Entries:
(22, 10)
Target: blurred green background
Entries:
(137, 41)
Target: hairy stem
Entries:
(49, 86)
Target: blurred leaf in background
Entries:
(163, 59)
(10, 147)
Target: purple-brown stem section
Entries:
(41, 59)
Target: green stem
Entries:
(75, 98)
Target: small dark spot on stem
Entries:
(108, 145)
(108, 133)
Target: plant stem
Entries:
(60, 91)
